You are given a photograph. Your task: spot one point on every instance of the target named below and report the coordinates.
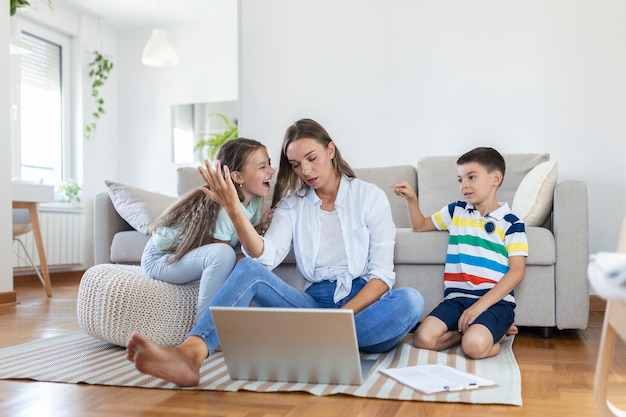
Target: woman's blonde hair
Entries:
(195, 214)
(287, 182)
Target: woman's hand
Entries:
(219, 189)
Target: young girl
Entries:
(194, 238)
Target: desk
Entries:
(28, 196)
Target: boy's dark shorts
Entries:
(498, 318)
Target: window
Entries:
(40, 107)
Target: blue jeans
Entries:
(211, 264)
(379, 327)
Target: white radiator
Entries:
(63, 232)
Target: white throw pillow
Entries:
(139, 207)
(534, 196)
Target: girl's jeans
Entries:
(379, 327)
(211, 264)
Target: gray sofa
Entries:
(553, 294)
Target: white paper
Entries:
(434, 378)
(607, 273)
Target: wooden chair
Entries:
(614, 325)
(22, 225)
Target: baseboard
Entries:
(8, 298)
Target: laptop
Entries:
(306, 345)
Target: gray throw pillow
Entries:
(139, 207)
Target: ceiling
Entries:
(139, 13)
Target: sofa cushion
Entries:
(541, 246)
(140, 208)
(437, 183)
(384, 177)
(127, 247)
(188, 178)
(427, 248)
(534, 196)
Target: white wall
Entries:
(6, 268)
(207, 71)
(398, 80)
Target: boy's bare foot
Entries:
(512, 330)
(178, 365)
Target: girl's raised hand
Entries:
(266, 219)
(217, 188)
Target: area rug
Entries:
(79, 358)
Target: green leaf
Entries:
(100, 68)
(212, 141)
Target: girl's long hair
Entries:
(287, 182)
(195, 214)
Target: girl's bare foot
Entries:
(180, 364)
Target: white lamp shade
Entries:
(159, 52)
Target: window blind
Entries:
(42, 67)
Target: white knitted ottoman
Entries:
(116, 300)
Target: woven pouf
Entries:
(116, 300)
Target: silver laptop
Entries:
(316, 346)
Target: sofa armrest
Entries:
(570, 226)
(107, 222)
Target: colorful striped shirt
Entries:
(479, 248)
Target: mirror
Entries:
(191, 123)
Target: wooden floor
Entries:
(557, 376)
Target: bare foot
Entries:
(512, 330)
(178, 365)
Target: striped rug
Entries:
(79, 358)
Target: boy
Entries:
(485, 261)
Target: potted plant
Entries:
(212, 141)
(71, 190)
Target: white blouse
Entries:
(367, 230)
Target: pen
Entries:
(471, 386)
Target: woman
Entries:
(322, 208)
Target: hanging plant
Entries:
(23, 4)
(212, 141)
(101, 67)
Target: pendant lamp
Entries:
(159, 52)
